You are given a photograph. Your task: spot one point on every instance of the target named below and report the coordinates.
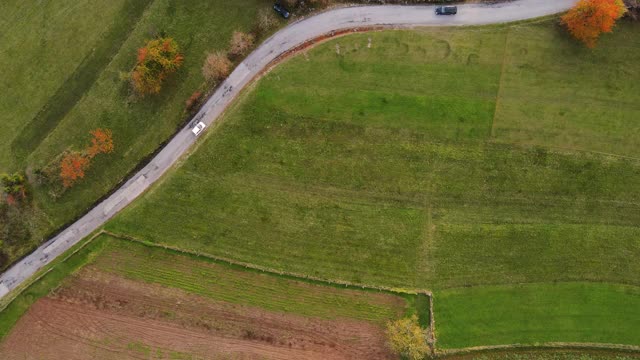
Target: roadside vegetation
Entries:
(101, 73)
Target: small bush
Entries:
(15, 186)
(49, 176)
(14, 230)
(240, 43)
(407, 338)
(4, 260)
(193, 101)
(267, 20)
(216, 67)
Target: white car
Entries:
(198, 128)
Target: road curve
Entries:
(284, 40)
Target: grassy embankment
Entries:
(63, 62)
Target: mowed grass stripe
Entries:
(41, 47)
(219, 282)
(80, 81)
(537, 313)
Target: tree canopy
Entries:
(588, 19)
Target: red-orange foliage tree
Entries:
(101, 142)
(74, 163)
(590, 18)
(72, 167)
(156, 61)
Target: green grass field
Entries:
(80, 89)
(385, 186)
(460, 160)
(537, 313)
(378, 165)
(546, 354)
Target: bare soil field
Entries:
(103, 316)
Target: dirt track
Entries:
(101, 316)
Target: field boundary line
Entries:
(431, 339)
(426, 245)
(544, 345)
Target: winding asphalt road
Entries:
(284, 40)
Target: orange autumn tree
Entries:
(75, 163)
(158, 59)
(101, 142)
(72, 167)
(590, 18)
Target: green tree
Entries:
(14, 185)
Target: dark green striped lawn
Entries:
(538, 313)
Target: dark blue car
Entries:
(446, 10)
(281, 10)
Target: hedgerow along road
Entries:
(290, 37)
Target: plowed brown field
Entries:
(102, 316)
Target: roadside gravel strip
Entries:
(281, 42)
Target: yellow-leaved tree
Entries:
(407, 338)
